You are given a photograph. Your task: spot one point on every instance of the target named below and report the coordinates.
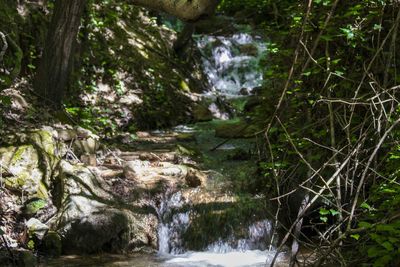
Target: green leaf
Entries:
(323, 211)
(365, 225)
(1, 232)
(334, 212)
(385, 227)
(324, 219)
(355, 236)
(374, 251)
(365, 206)
(387, 245)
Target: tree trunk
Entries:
(56, 64)
(187, 10)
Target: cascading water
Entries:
(232, 62)
(232, 67)
(172, 224)
(175, 217)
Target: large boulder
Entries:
(29, 166)
(92, 219)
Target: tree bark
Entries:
(187, 10)
(56, 64)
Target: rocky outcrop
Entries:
(92, 219)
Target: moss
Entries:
(42, 191)
(34, 205)
(235, 129)
(44, 140)
(18, 154)
(51, 244)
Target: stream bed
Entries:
(232, 232)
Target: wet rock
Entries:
(244, 91)
(249, 50)
(36, 228)
(257, 90)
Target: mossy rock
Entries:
(201, 113)
(44, 140)
(51, 244)
(186, 137)
(25, 258)
(23, 169)
(33, 206)
(235, 129)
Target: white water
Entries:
(232, 62)
(253, 258)
(231, 252)
(232, 66)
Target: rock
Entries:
(252, 103)
(130, 99)
(244, 91)
(201, 113)
(248, 50)
(86, 146)
(109, 173)
(89, 159)
(18, 102)
(234, 129)
(195, 178)
(257, 90)
(92, 219)
(36, 228)
(67, 134)
(51, 244)
(135, 169)
(24, 173)
(25, 258)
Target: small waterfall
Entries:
(172, 224)
(258, 238)
(232, 62)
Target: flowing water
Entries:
(232, 62)
(232, 67)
